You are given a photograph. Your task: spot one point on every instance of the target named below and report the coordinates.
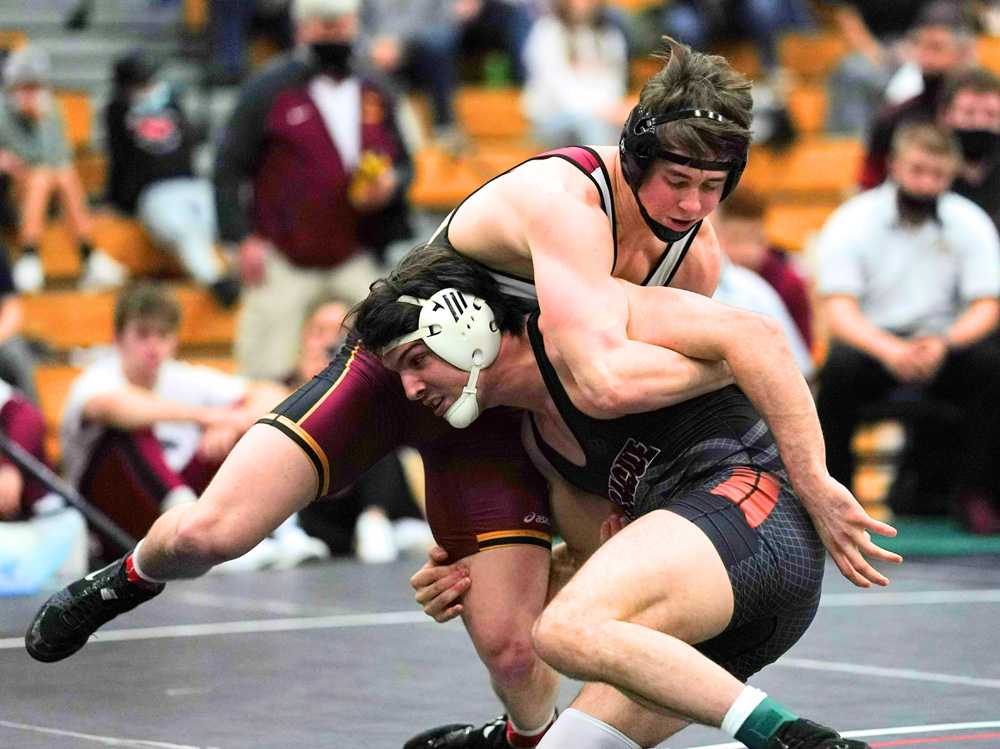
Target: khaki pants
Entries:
(270, 325)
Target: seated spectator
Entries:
(376, 517)
(970, 108)
(142, 431)
(417, 43)
(741, 234)
(17, 360)
(39, 535)
(151, 172)
(942, 44)
(577, 72)
(34, 150)
(910, 274)
(876, 48)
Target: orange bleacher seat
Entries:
(811, 55)
(818, 167)
(77, 114)
(441, 181)
(10, 39)
(69, 319)
(791, 225)
(988, 52)
(92, 167)
(491, 113)
(122, 238)
(742, 56)
(53, 382)
(807, 106)
(195, 16)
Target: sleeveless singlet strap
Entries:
(586, 160)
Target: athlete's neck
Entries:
(513, 379)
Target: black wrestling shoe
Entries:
(65, 621)
(492, 735)
(804, 734)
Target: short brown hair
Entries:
(927, 137)
(695, 80)
(978, 80)
(146, 301)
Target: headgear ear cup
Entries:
(461, 329)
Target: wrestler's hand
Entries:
(611, 525)
(439, 585)
(845, 529)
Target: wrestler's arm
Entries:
(585, 323)
(763, 366)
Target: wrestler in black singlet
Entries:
(711, 460)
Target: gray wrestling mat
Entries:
(337, 656)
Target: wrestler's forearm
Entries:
(767, 374)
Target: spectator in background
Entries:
(700, 22)
(875, 35)
(17, 360)
(910, 275)
(576, 60)
(942, 44)
(320, 147)
(34, 150)
(39, 535)
(151, 172)
(141, 431)
(970, 108)
(744, 240)
(377, 517)
(417, 42)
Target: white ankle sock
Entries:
(745, 704)
(138, 569)
(529, 732)
(574, 729)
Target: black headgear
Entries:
(639, 146)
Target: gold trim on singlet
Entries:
(495, 539)
(324, 478)
(347, 368)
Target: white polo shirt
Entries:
(177, 381)
(909, 279)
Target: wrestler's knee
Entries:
(564, 634)
(507, 652)
(205, 535)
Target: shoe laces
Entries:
(84, 610)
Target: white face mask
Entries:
(152, 99)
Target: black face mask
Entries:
(977, 144)
(333, 57)
(916, 209)
(932, 84)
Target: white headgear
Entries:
(459, 328)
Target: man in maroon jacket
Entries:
(319, 146)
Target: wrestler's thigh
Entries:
(265, 478)
(482, 491)
(660, 571)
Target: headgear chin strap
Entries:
(639, 146)
(461, 329)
